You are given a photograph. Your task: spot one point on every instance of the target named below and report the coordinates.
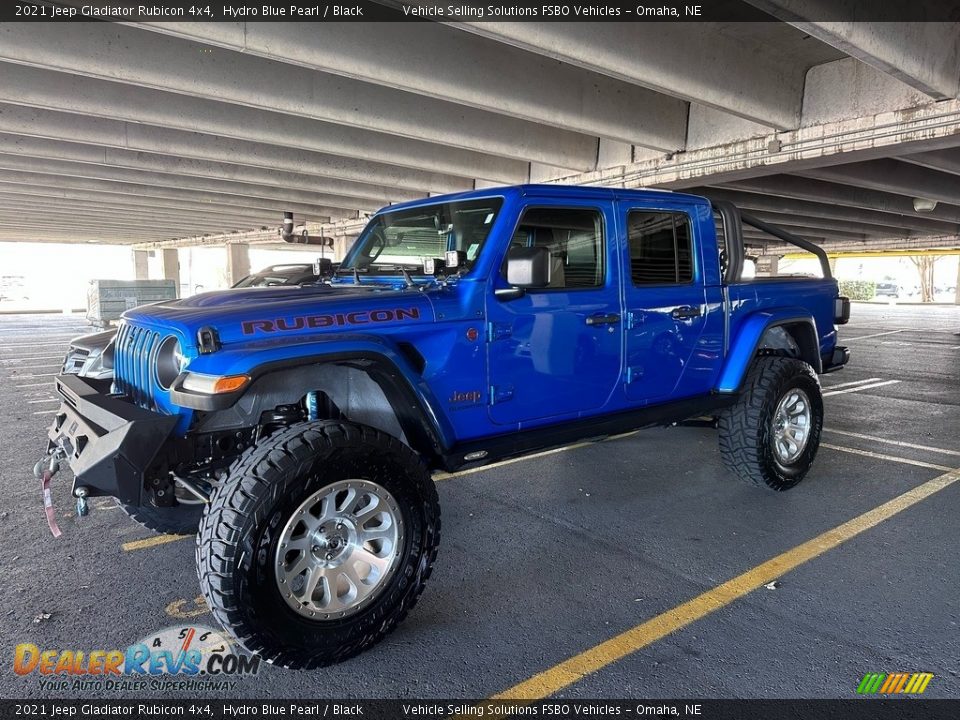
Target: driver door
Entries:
(556, 351)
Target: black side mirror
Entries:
(529, 267)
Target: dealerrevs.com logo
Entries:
(191, 657)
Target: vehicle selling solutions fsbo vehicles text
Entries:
(548, 10)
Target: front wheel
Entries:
(771, 435)
(319, 543)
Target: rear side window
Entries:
(574, 237)
(660, 247)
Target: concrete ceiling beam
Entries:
(892, 176)
(690, 61)
(124, 54)
(832, 193)
(790, 206)
(33, 196)
(39, 88)
(460, 68)
(924, 55)
(34, 180)
(33, 147)
(243, 191)
(137, 137)
(11, 208)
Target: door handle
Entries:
(685, 312)
(601, 319)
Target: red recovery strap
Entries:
(48, 503)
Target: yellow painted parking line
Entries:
(153, 542)
(898, 443)
(574, 669)
(184, 609)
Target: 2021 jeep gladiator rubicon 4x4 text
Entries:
(295, 428)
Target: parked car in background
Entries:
(91, 356)
(292, 274)
(887, 289)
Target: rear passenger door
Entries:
(665, 302)
(557, 351)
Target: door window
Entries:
(660, 247)
(574, 237)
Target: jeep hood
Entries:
(245, 314)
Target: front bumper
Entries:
(108, 441)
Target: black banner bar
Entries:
(560, 709)
(472, 11)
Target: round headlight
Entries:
(170, 362)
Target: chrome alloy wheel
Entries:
(339, 549)
(791, 426)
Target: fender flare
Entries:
(406, 391)
(744, 347)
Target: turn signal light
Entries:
(214, 384)
(230, 383)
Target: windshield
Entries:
(399, 240)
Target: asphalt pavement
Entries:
(548, 558)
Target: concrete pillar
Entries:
(238, 262)
(170, 265)
(956, 297)
(141, 269)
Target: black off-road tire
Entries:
(176, 520)
(746, 428)
(241, 527)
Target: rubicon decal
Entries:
(302, 322)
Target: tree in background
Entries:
(925, 265)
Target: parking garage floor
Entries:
(546, 559)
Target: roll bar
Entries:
(733, 221)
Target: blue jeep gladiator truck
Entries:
(294, 429)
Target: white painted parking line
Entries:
(24, 377)
(889, 458)
(880, 334)
(14, 361)
(861, 387)
(34, 345)
(29, 385)
(898, 443)
(46, 400)
(43, 412)
(850, 384)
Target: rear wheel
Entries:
(319, 543)
(771, 435)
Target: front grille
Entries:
(134, 364)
